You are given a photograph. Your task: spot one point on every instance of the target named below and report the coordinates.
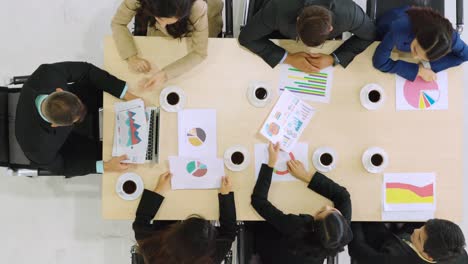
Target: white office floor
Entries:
(51, 220)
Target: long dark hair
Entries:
(321, 238)
(149, 9)
(432, 30)
(191, 241)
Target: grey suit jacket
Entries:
(281, 15)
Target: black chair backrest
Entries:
(375, 8)
(16, 155)
(4, 141)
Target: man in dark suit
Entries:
(436, 241)
(57, 123)
(313, 22)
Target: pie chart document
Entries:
(196, 173)
(197, 133)
(422, 95)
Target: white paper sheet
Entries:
(197, 133)
(287, 121)
(131, 131)
(313, 87)
(409, 192)
(280, 173)
(421, 95)
(397, 216)
(196, 173)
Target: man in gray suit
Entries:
(312, 22)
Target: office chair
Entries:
(375, 8)
(11, 155)
(234, 256)
(227, 32)
(251, 7)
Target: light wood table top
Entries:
(416, 141)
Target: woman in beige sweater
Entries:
(195, 19)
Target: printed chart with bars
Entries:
(196, 168)
(409, 192)
(422, 95)
(308, 86)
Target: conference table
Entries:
(415, 141)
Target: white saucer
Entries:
(366, 160)
(168, 107)
(366, 103)
(129, 176)
(316, 159)
(235, 167)
(253, 99)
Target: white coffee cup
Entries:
(172, 99)
(129, 186)
(236, 158)
(375, 160)
(324, 159)
(372, 96)
(259, 94)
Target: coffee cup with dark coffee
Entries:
(173, 98)
(261, 93)
(324, 159)
(236, 158)
(375, 160)
(129, 187)
(372, 96)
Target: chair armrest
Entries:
(460, 19)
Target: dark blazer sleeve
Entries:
(254, 36)
(61, 164)
(57, 75)
(227, 228)
(457, 56)
(333, 191)
(364, 34)
(384, 63)
(147, 209)
(259, 199)
(359, 249)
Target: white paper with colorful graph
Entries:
(280, 172)
(409, 192)
(196, 173)
(131, 131)
(287, 121)
(308, 86)
(422, 95)
(197, 133)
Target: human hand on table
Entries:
(300, 60)
(137, 64)
(164, 183)
(273, 151)
(155, 80)
(297, 169)
(226, 185)
(427, 74)
(320, 61)
(115, 164)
